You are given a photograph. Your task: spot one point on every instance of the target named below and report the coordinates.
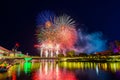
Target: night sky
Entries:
(17, 21)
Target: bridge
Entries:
(45, 58)
(102, 58)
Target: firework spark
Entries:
(64, 20)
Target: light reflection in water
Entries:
(27, 67)
(97, 70)
(58, 71)
(113, 66)
(18, 70)
(51, 71)
(14, 75)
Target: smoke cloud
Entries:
(90, 43)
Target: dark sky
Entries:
(18, 19)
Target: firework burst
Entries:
(56, 33)
(64, 20)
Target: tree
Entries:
(70, 53)
(60, 55)
(117, 43)
(82, 54)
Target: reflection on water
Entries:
(51, 71)
(27, 67)
(113, 66)
(63, 70)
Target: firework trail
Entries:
(45, 16)
(64, 20)
(68, 37)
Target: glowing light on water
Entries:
(60, 71)
(52, 73)
(27, 67)
(97, 70)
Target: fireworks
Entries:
(45, 16)
(64, 20)
(56, 33)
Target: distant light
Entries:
(36, 46)
(17, 44)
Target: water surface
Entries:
(47, 70)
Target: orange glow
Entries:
(48, 24)
(50, 45)
(62, 27)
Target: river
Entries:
(50, 70)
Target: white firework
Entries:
(64, 20)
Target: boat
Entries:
(4, 67)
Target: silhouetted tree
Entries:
(70, 53)
(60, 55)
(83, 54)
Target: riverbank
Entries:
(115, 58)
